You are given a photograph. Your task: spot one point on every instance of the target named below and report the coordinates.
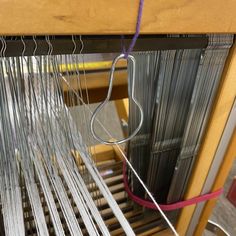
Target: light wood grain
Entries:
(93, 81)
(90, 66)
(219, 116)
(95, 85)
(156, 232)
(100, 152)
(122, 107)
(40, 17)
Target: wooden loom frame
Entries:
(41, 17)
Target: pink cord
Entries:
(168, 207)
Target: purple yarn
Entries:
(134, 39)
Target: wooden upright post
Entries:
(219, 116)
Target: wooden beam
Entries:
(96, 85)
(157, 231)
(91, 66)
(219, 182)
(96, 95)
(93, 81)
(219, 116)
(100, 153)
(42, 17)
(122, 108)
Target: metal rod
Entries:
(99, 44)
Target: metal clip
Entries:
(99, 108)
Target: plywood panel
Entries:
(27, 17)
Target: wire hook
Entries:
(36, 45)
(24, 46)
(99, 108)
(4, 46)
(74, 44)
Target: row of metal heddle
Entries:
(176, 89)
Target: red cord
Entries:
(168, 207)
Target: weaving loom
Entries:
(64, 172)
